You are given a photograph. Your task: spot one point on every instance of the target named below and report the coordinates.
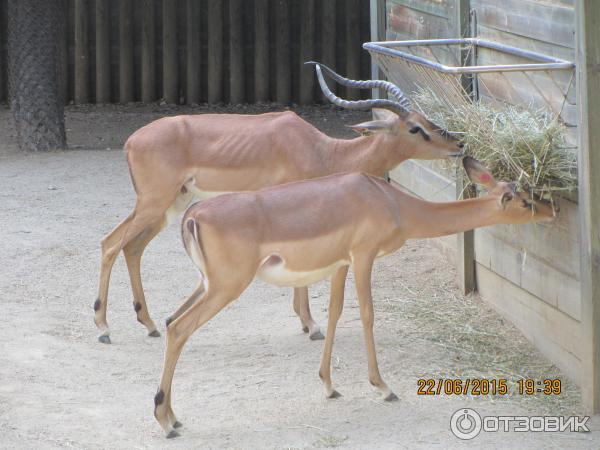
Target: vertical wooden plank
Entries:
(192, 91)
(465, 250)
(82, 52)
(236, 53)
(329, 40)
(102, 51)
(125, 51)
(148, 66)
(307, 50)
(378, 33)
(170, 59)
(63, 54)
(282, 56)
(3, 76)
(353, 46)
(215, 51)
(588, 99)
(261, 50)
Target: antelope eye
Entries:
(418, 129)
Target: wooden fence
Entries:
(530, 274)
(193, 51)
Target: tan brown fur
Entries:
(350, 219)
(218, 153)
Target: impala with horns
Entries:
(174, 159)
(302, 232)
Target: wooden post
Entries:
(353, 46)
(82, 53)
(261, 50)
(465, 249)
(282, 57)
(328, 42)
(63, 55)
(148, 66)
(215, 51)
(588, 99)
(125, 51)
(102, 51)
(192, 91)
(307, 50)
(170, 60)
(3, 75)
(378, 32)
(236, 53)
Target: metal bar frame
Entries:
(544, 62)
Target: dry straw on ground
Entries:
(518, 144)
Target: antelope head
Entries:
(516, 207)
(396, 119)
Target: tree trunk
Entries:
(33, 66)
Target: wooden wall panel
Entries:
(529, 273)
(557, 335)
(534, 19)
(406, 21)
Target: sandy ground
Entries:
(248, 379)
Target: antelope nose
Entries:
(461, 144)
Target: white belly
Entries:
(279, 275)
(203, 195)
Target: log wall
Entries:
(196, 51)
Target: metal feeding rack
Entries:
(523, 121)
(461, 70)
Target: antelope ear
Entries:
(478, 173)
(506, 197)
(383, 114)
(374, 126)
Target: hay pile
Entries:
(517, 144)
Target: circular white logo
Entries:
(465, 423)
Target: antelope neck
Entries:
(374, 154)
(430, 219)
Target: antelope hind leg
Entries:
(302, 310)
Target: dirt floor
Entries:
(248, 379)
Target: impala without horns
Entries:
(302, 232)
(174, 159)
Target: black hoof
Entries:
(105, 339)
(172, 434)
(317, 336)
(177, 424)
(391, 397)
(334, 394)
(305, 329)
(154, 333)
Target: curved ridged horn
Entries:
(358, 104)
(391, 88)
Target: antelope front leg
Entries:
(362, 273)
(302, 309)
(336, 303)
